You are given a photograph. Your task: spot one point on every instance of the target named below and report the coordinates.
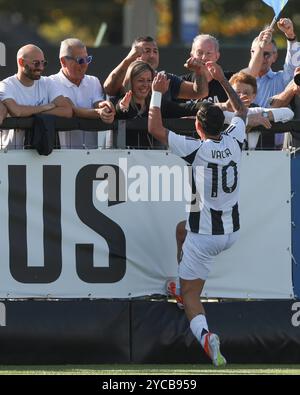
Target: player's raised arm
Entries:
(236, 103)
(155, 126)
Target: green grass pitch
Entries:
(151, 370)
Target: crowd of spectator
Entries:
(269, 96)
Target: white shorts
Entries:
(199, 251)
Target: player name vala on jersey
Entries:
(215, 178)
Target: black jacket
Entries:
(43, 136)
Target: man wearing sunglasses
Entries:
(27, 93)
(263, 55)
(84, 92)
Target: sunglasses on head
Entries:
(38, 63)
(81, 60)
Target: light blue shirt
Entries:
(274, 82)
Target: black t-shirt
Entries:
(174, 87)
(216, 92)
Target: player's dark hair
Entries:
(211, 118)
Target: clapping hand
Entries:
(125, 102)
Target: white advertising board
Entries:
(61, 238)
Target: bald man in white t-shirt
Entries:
(28, 93)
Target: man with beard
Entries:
(27, 93)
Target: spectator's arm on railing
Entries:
(18, 110)
(81, 112)
(63, 108)
(104, 110)
(259, 116)
(3, 112)
(282, 114)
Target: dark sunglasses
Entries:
(38, 63)
(81, 60)
(266, 54)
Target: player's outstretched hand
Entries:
(215, 71)
(160, 83)
(195, 65)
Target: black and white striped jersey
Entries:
(215, 178)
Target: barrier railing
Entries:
(119, 128)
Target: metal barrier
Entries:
(121, 129)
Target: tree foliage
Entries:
(230, 20)
(55, 19)
(233, 20)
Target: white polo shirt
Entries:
(85, 95)
(41, 92)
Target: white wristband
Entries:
(155, 99)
